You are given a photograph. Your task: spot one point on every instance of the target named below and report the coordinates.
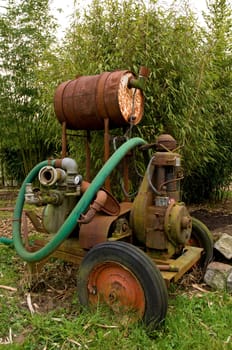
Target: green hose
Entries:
(5, 240)
(70, 223)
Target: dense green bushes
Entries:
(188, 93)
(189, 89)
(25, 124)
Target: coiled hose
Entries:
(81, 206)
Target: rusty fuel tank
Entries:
(85, 102)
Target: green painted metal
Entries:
(139, 211)
(81, 206)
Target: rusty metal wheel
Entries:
(123, 277)
(202, 237)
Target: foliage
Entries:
(188, 93)
(180, 94)
(26, 36)
(209, 180)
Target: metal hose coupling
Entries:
(49, 176)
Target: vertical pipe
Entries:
(25, 231)
(106, 148)
(126, 177)
(64, 140)
(88, 156)
(159, 176)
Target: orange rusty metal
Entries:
(144, 71)
(88, 156)
(85, 102)
(167, 173)
(64, 140)
(110, 206)
(106, 149)
(126, 184)
(166, 142)
(166, 159)
(97, 230)
(118, 287)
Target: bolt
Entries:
(185, 221)
(93, 290)
(112, 297)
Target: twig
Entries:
(12, 289)
(106, 326)
(73, 341)
(8, 340)
(79, 344)
(196, 286)
(29, 303)
(228, 340)
(10, 336)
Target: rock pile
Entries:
(219, 274)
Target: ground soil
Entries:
(217, 217)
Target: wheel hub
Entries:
(118, 287)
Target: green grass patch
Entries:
(195, 319)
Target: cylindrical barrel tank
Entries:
(83, 103)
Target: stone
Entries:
(224, 245)
(219, 276)
(229, 282)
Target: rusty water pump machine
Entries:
(129, 251)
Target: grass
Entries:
(196, 318)
(199, 320)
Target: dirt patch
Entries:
(55, 286)
(217, 218)
(213, 220)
